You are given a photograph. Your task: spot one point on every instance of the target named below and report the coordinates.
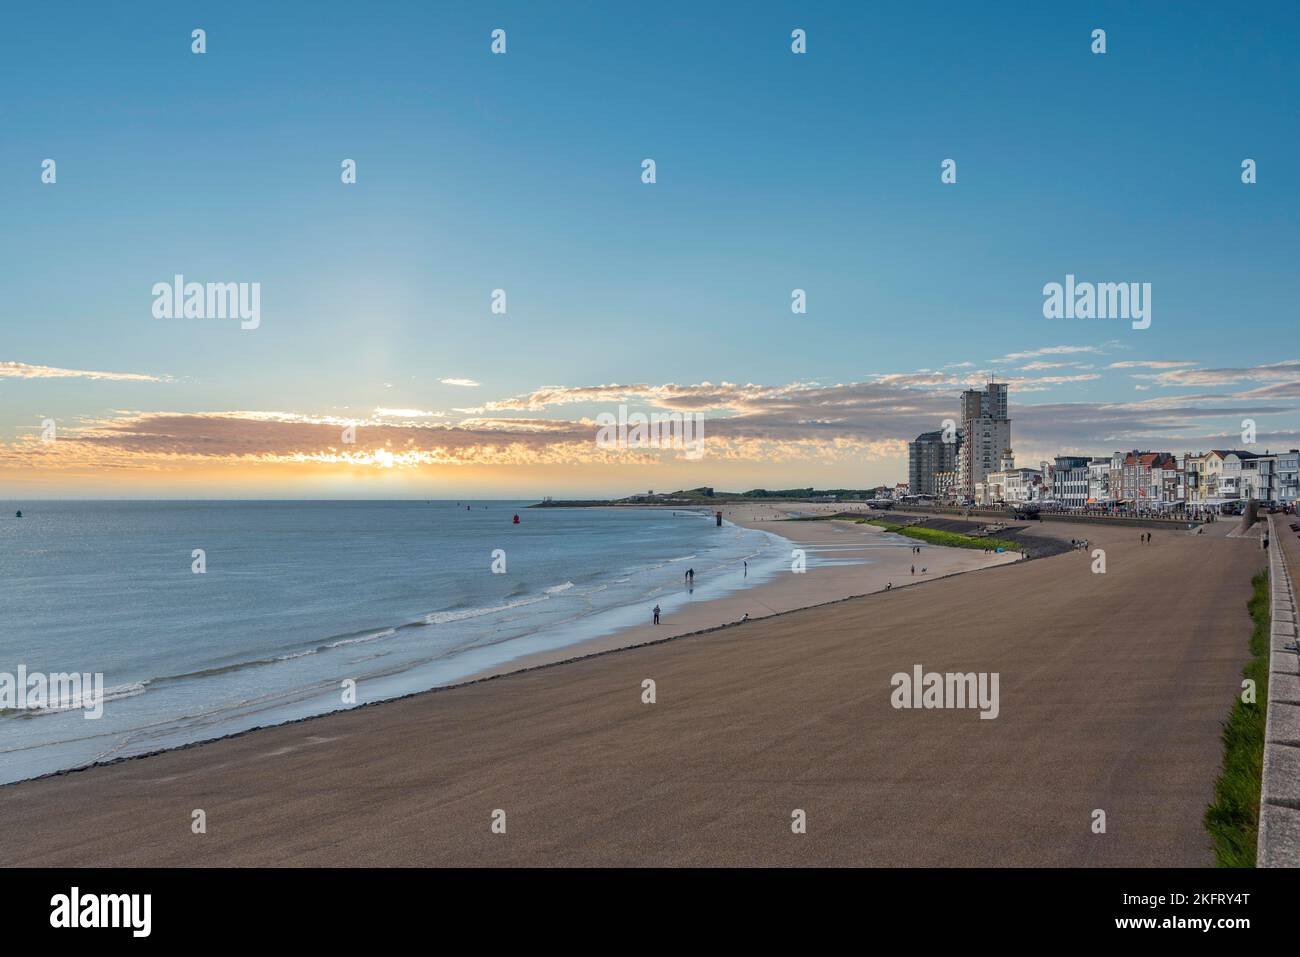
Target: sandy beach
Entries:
(1113, 687)
(835, 540)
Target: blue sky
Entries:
(522, 172)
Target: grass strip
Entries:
(934, 536)
(1233, 817)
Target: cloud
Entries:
(408, 414)
(1287, 371)
(1057, 351)
(1149, 364)
(21, 370)
(844, 423)
(467, 383)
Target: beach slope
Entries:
(1112, 690)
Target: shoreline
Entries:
(791, 710)
(819, 586)
(476, 679)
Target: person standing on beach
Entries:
(656, 614)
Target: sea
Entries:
(209, 618)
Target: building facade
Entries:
(1151, 479)
(1287, 483)
(1070, 480)
(985, 434)
(1099, 472)
(1010, 486)
(928, 457)
(945, 485)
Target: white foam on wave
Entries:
(86, 698)
(444, 617)
(361, 639)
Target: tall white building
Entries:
(985, 435)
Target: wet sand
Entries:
(832, 540)
(1112, 690)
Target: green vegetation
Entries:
(1233, 817)
(934, 536)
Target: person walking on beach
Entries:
(913, 569)
(656, 614)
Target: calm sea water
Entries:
(299, 596)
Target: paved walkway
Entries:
(1279, 837)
